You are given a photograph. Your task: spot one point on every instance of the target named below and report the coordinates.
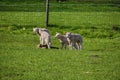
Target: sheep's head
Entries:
(68, 34)
(35, 30)
(57, 35)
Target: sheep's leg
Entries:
(72, 45)
(62, 45)
(65, 46)
(47, 41)
(78, 45)
(48, 46)
(40, 40)
(75, 46)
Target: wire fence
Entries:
(30, 15)
(59, 7)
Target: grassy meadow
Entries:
(99, 25)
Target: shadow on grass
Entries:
(18, 26)
(116, 27)
(58, 26)
(68, 27)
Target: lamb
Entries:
(63, 40)
(45, 38)
(74, 39)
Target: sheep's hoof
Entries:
(42, 46)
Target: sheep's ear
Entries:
(65, 33)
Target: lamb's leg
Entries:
(72, 45)
(65, 46)
(49, 45)
(75, 46)
(78, 45)
(41, 41)
(62, 45)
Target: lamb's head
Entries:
(68, 34)
(57, 35)
(36, 30)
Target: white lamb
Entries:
(45, 38)
(63, 40)
(74, 39)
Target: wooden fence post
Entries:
(47, 13)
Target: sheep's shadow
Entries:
(46, 47)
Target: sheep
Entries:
(74, 39)
(63, 40)
(44, 34)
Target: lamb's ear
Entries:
(65, 33)
(34, 29)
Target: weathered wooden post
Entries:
(47, 13)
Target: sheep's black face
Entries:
(35, 30)
(68, 34)
(57, 35)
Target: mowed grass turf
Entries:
(89, 24)
(20, 59)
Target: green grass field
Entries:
(99, 59)
(20, 59)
